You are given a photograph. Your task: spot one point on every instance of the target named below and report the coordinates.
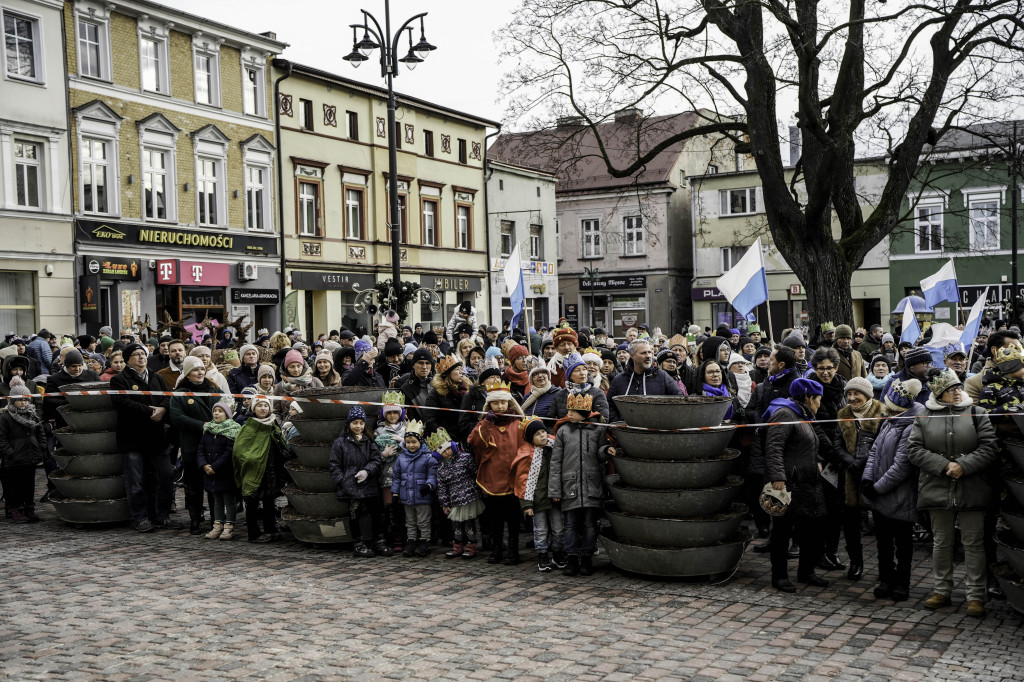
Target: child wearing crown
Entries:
(577, 378)
(457, 493)
(414, 479)
(495, 442)
(391, 431)
(576, 479)
(447, 389)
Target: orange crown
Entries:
(579, 401)
(500, 386)
(447, 363)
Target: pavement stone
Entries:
(108, 603)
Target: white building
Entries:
(37, 261)
(521, 210)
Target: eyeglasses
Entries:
(830, 368)
(713, 371)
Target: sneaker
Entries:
(169, 524)
(144, 526)
(543, 562)
(559, 558)
(975, 608)
(218, 528)
(469, 552)
(228, 532)
(361, 550)
(381, 548)
(410, 548)
(936, 601)
(422, 548)
(455, 551)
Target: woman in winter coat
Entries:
(213, 458)
(16, 366)
(362, 372)
(115, 363)
(711, 380)
(541, 400)
(577, 378)
(355, 467)
(189, 414)
(856, 436)
(413, 481)
(295, 376)
(791, 462)
(447, 389)
(880, 374)
(387, 329)
(475, 400)
(22, 447)
(323, 369)
(889, 485)
(955, 455)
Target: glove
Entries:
(361, 476)
(425, 489)
(867, 488)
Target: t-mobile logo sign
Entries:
(166, 271)
(197, 273)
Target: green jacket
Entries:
(968, 440)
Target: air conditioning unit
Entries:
(248, 272)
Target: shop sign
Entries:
(189, 273)
(614, 282)
(446, 283)
(332, 281)
(534, 267)
(140, 235)
(572, 315)
(89, 298)
(708, 293)
(129, 269)
(257, 296)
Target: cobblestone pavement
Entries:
(114, 604)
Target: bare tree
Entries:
(889, 77)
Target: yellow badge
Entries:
(190, 401)
(135, 388)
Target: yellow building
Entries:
(334, 166)
(173, 160)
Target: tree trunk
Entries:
(826, 277)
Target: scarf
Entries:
(501, 419)
(878, 383)
(531, 478)
(582, 388)
(516, 378)
(228, 428)
(26, 416)
(867, 419)
(723, 391)
(774, 406)
(772, 378)
(744, 382)
(536, 394)
(298, 383)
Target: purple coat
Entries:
(456, 481)
(895, 479)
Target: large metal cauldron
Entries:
(317, 531)
(1016, 486)
(1014, 518)
(1016, 449)
(315, 455)
(668, 445)
(87, 443)
(89, 421)
(1012, 550)
(672, 411)
(94, 488)
(308, 503)
(1011, 584)
(88, 402)
(312, 480)
(694, 473)
(699, 531)
(320, 430)
(104, 464)
(335, 411)
(91, 511)
(674, 504)
(677, 562)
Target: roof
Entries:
(571, 151)
(312, 72)
(980, 136)
(519, 167)
(187, 21)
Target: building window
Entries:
(429, 222)
(95, 169)
(257, 197)
(428, 143)
(501, 185)
(208, 187)
(929, 228)
(508, 229)
(731, 256)
(712, 169)
(154, 184)
(254, 102)
(18, 300)
(462, 227)
(353, 125)
(354, 214)
(153, 63)
(538, 190)
(93, 49)
(462, 151)
(305, 114)
(558, 239)
(309, 209)
(21, 45)
(984, 218)
(738, 201)
(207, 77)
(591, 230)
(536, 242)
(27, 175)
(632, 236)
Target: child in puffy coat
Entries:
(355, 467)
(531, 470)
(457, 493)
(414, 479)
(391, 431)
(213, 457)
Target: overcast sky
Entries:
(462, 73)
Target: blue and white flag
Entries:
(974, 320)
(746, 285)
(911, 329)
(941, 286)
(513, 275)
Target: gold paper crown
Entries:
(526, 422)
(500, 386)
(827, 327)
(590, 350)
(393, 398)
(438, 440)
(414, 427)
(446, 363)
(577, 401)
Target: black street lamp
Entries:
(376, 38)
(592, 275)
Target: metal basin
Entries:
(676, 562)
(335, 411)
(320, 430)
(91, 511)
(674, 504)
(93, 488)
(668, 446)
(105, 464)
(315, 455)
(1011, 584)
(317, 531)
(695, 473)
(672, 411)
(87, 443)
(1013, 551)
(696, 532)
(315, 504)
(1016, 487)
(1014, 518)
(1016, 449)
(89, 421)
(309, 479)
(88, 402)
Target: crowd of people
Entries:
(483, 433)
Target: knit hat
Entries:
(391, 316)
(97, 357)
(517, 351)
(131, 348)
(860, 384)
(18, 388)
(736, 357)
(325, 355)
(188, 365)
(74, 357)
(392, 347)
(901, 395)
(291, 357)
(262, 399)
(1009, 359)
(106, 342)
(252, 390)
(362, 346)
(200, 352)
(941, 380)
(664, 355)
(264, 369)
(409, 348)
(794, 340)
(493, 352)
(571, 362)
(106, 330)
(299, 346)
(763, 350)
(887, 338)
(565, 333)
(801, 387)
(422, 354)
(844, 331)
(393, 401)
(357, 412)
(531, 427)
(917, 356)
(501, 391)
(246, 348)
(591, 355)
(694, 329)
(430, 338)
(229, 410)
(882, 358)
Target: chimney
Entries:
(630, 116)
(269, 34)
(569, 122)
(795, 145)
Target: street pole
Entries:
(1014, 200)
(396, 224)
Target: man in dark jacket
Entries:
(38, 349)
(247, 373)
(140, 437)
(641, 377)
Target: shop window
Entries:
(22, 47)
(18, 301)
(632, 236)
(508, 229)
(430, 209)
(354, 227)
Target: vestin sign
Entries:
(623, 282)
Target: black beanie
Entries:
(422, 353)
(392, 347)
(532, 428)
(430, 338)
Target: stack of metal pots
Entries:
(314, 513)
(673, 513)
(90, 480)
(1010, 574)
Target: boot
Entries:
(30, 512)
(218, 528)
(470, 551)
(228, 532)
(586, 565)
(572, 566)
(543, 562)
(455, 551)
(381, 547)
(856, 571)
(422, 548)
(18, 515)
(497, 555)
(195, 522)
(410, 548)
(559, 558)
(362, 551)
(512, 556)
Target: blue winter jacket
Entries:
(889, 469)
(412, 470)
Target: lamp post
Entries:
(592, 276)
(377, 38)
